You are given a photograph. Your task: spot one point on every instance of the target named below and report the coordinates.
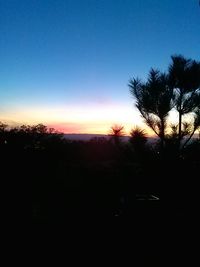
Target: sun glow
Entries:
(96, 119)
(78, 119)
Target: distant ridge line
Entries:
(87, 137)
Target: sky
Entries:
(67, 63)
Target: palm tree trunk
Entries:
(162, 134)
(179, 128)
(189, 137)
(180, 120)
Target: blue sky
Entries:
(67, 62)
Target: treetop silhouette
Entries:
(179, 90)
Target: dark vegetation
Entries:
(106, 177)
(96, 178)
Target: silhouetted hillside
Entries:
(88, 137)
(99, 177)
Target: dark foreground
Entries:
(57, 180)
(141, 208)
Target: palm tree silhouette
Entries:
(117, 131)
(138, 138)
(153, 100)
(184, 80)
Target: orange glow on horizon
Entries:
(101, 128)
(80, 119)
(77, 119)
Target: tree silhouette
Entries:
(3, 126)
(138, 138)
(3, 129)
(184, 80)
(117, 131)
(153, 100)
(28, 137)
(178, 89)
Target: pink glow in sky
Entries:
(95, 119)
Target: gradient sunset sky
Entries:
(67, 63)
